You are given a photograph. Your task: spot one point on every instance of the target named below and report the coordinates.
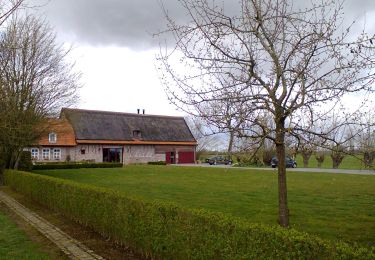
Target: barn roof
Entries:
(115, 126)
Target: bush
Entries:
(2, 168)
(25, 163)
(53, 166)
(157, 163)
(267, 156)
(162, 230)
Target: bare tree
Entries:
(35, 81)
(207, 141)
(366, 139)
(285, 61)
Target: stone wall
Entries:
(141, 154)
(130, 153)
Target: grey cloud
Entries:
(128, 23)
(131, 23)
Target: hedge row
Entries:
(51, 166)
(157, 163)
(161, 230)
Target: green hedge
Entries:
(162, 230)
(51, 166)
(157, 163)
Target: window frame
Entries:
(36, 150)
(43, 154)
(54, 139)
(56, 151)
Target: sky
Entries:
(114, 47)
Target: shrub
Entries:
(267, 156)
(63, 165)
(162, 230)
(157, 163)
(25, 163)
(2, 168)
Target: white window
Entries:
(52, 137)
(45, 153)
(34, 153)
(56, 154)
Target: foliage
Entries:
(2, 167)
(157, 163)
(25, 163)
(248, 159)
(267, 155)
(168, 231)
(51, 166)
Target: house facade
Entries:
(101, 136)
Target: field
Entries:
(14, 244)
(349, 162)
(333, 206)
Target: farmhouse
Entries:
(100, 136)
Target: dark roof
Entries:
(102, 125)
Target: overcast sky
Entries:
(115, 50)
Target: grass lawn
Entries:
(349, 162)
(14, 243)
(333, 206)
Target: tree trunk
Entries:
(280, 151)
(230, 144)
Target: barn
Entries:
(102, 136)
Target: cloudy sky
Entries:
(114, 47)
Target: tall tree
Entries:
(287, 61)
(35, 81)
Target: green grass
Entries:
(14, 244)
(349, 162)
(333, 206)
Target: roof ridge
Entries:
(119, 113)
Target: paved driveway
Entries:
(360, 172)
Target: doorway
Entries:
(112, 155)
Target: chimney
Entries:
(138, 111)
(143, 111)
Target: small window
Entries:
(56, 154)
(52, 137)
(45, 154)
(137, 134)
(34, 153)
(83, 151)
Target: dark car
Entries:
(289, 162)
(219, 160)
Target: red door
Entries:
(170, 157)
(186, 157)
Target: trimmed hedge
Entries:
(162, 230)
(157, 163)
(52, 166)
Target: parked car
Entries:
(289, 162)
(219, 160)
